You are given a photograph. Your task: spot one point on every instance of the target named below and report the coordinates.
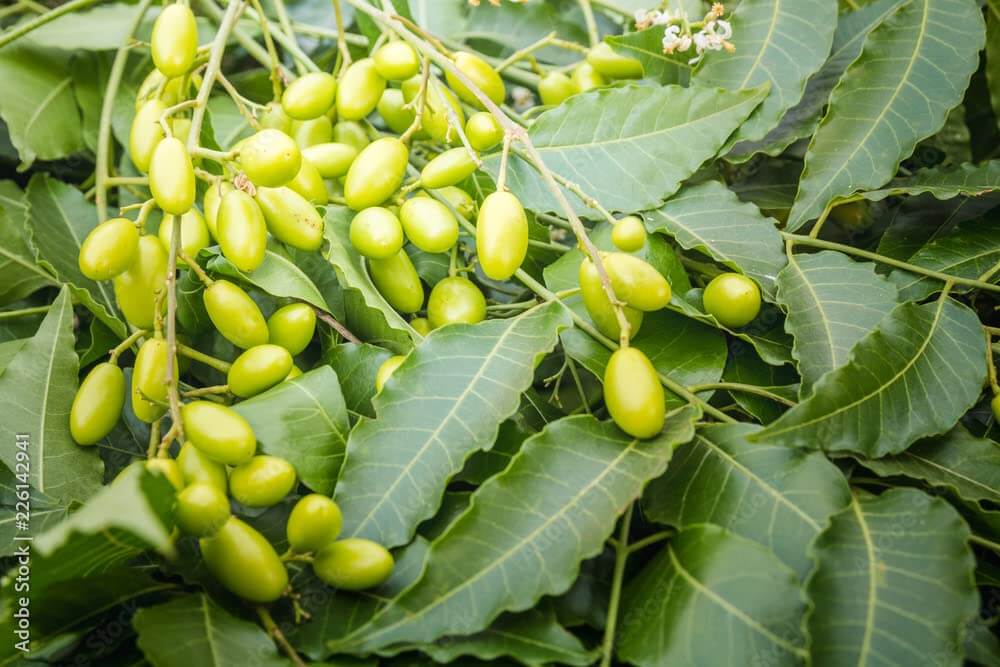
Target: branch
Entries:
(212, 70)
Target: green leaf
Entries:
(646, 46)
(357, 366)
(611, 143)
(277, 276)
(877, 566)
(514, 26)
(832, 303)
(38, 104)
(957, 461)
(44, 512)
(191, 312)
(94, 29)
(993, 53)
(914, 68)
(526, 531)
(982, 646)
(60, 218)
(765, 334)
(36, 392)
(448, 397)
(709, 218)
(919, 220)
(20, 276)
(913, 376)
(746, 367)
(192, 630)
(781, 42)
(230, 126)
(967, 179)
(707, 577)
(303, 420)
(90, 72)
(777, 496)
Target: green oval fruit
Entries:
(733, 299)
(421, 325)
(995, 407)
(392, 107)
(174, 43)
(483, 131)
(852, 216)
(451, 167)
(149, 380)
(453, 300)
(314, 522)
(258, 369)
(194, 233)
(352, 133)
(386, 370)
(612, 65)
(244, 562)
(235, 314)
(360, 90)
(636, 282)
(633, 393)
(353, 564)
(312, 132)
(292, 327)
(262, 481)
(595, 300)
(585, 77)
(428, 224)
(109, 249)
(145, 133)
(201, 510)
(376, 173)
(241, 232)
(270, 158)
(136, 287)
(501, 235)
(309, 96)
(376, 233)
(331, 159)
(396, 61)
(181, 128)
(459, 199)
(629, 234)
(273, 117)
(97, 405)
(291, 218)
(434, 119)
(481, 74)
(198, 468)
(556, 87)
(309, 183)
(211, 202)
(398, 282)
(171, 177)
(169, 469)
(221, 433)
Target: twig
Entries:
(177, 427)
(286, 28)
(745, 388)
(345, 53)
(273, 630)
(22, 312)
(214, 64)
(336, 326)
(210, 361)
(621, 557)
(588, 17)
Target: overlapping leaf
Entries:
(746, 367)
(277, 275)
(356, 367)
(967, 179)
(445, 402)
(19, 274)
(646, 46)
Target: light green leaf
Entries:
(97, 28)
(303, 420)
(277, 275)
(193, 630)
(229, 124)
(832, 302)
(526, 531)
(448, 398)
(646, 46)
(782, 42)
(878, 565)
(514, 26)
(44, 513)
(982, 646)
(967, 179)
(707, 577)
(913, 376)
(356, 367)
(914, 68)
(36, 392)
(612, 142)
(20, 275)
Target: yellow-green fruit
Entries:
(629, 234)
(262, 481)
(273, 117)
(995, 406)
(483, 131)
(733, 299)
(612, 65)
(292, 327)
(149, 380)
(481, 74)
(455, 300)
(109, 249)
(198, 468)
(244, 562)
(353, 564)
(428, 224)
(633, 393)
(174, 43)
(386, 370)
(235, 314)
(242, 232)
(219, 432)
(636, 282)
(294, 373)
(145, 133)
(852, 216)
(392, 108)
(376, 233)
(169, 469)
(501, 235)
(434, 119)
(312, 132)
(556, 87)
(451, 167)
(352, 133)
(270, 158)
(332, 160)
(258, 369)
(595, 300)
(376, 173)
(309, 183)
(585, 77)
(201, 510)
(170, 91)
(98, 403)
(171, 177)
(398, 282)
(194, 233)
(360, 90)
(136, 287)
(181, 127)
(421, 325)
(291, 218)
(314, 522)
(459, 199)
(309, 96)
(396, 61)
(210, 203)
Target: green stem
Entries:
(327, 33)
(272, 629)
(195, 355)
(256, 51)
(286, 43)
(588, 18)
(745, 388)
(652, 539)
(286, 28)
(226, 26)
(126, 344)
(621, 556)
(37, 22)
(22, 312)
(983, 542)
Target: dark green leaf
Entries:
(20, 275)
(967, 179)
(357, 366)
(745, 367)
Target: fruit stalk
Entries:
(272, 629)
(621, 556)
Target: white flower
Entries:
(674, 41)
(723, 29)
(662, 18)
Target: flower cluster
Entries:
(679, 36)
